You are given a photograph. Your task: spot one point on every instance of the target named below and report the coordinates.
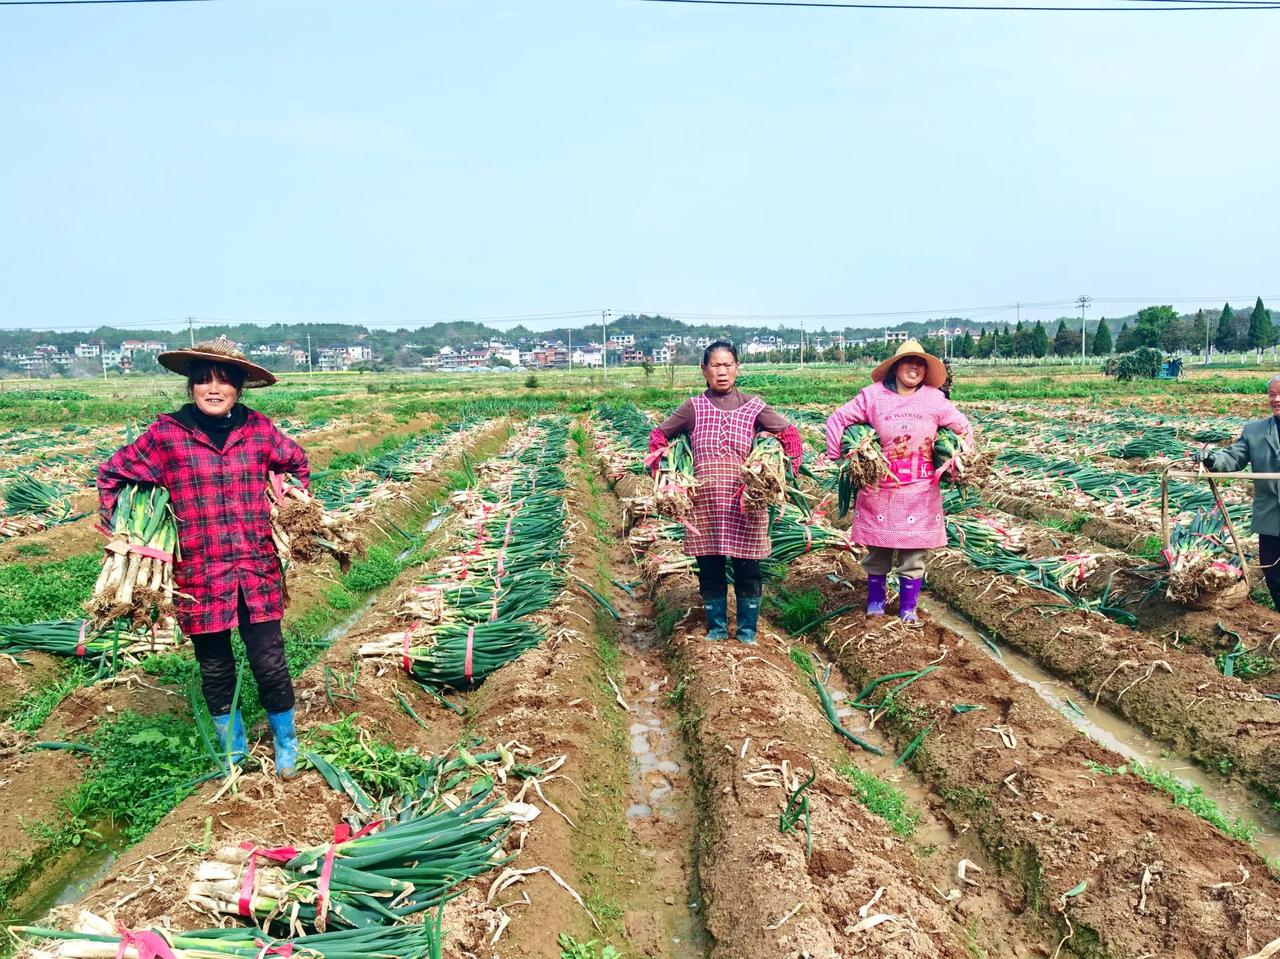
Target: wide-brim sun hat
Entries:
(221, 350)
(935, 373)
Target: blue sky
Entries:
(395, 162)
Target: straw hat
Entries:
(935, 373)
(221, 350)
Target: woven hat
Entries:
(935, 373)
(221, 350)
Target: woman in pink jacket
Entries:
(904, 512)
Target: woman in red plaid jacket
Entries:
(722, 424)
(213, 456)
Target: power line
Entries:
(1153, 5)
(64, 3)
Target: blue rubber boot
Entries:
(717, 617)
(748, 616)
(231, 736)
(908, 593)
(875, 595)
(285, 737)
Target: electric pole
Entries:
(1082, 302)
(570, 349)
(309, 369)
(191, 330)
(802, 344)
(604, 349)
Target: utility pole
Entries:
(604, 346)
(1082, 302)
(802, 344)
(571, 349)
(191, 330)
(310, 371)
(102, 355)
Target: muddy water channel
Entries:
(1105, 728)
(661, 813)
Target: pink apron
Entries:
(721, 441)
(905, 510)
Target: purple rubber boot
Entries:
(908, 593)
(875, 595)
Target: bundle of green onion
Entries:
(75, 637)
(302, 527)
(795, 533)
(674, 483)
(456, 655)
(136, 581)
(983, 534)
(1203, 572)
(26, 495)
(862, 463)
(367, 880)
(95, 938)
(1070, 570)
(969, 467)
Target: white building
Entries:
(88, 351)
(508, 353)
(703, 342)
(589, 357)
(623, 340)
(756, 347)
(671, 339)
(359, 354)
(896, 336)
(662, 355)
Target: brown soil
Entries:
(1178, 698)
(747, 709)
(16, 680)
(1045, 817)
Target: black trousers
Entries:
(1269, 557)
(265, 645)
(713, 581)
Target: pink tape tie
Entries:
(80, 644)
(471, 639)
(150, 944)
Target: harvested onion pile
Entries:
(303, 529)
(136, 581)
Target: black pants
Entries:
(265, 645)
(1269, 557)
(714, 583)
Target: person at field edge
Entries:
(1258, 447)
(721, 424)
(903, 513)
(213, 456)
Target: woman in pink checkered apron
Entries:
(904, 512)
(722, 424)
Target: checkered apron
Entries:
(721, 441)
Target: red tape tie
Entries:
(276, 854)
(408, 664)
(471, 639)
(80, 646)
(808, 537)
